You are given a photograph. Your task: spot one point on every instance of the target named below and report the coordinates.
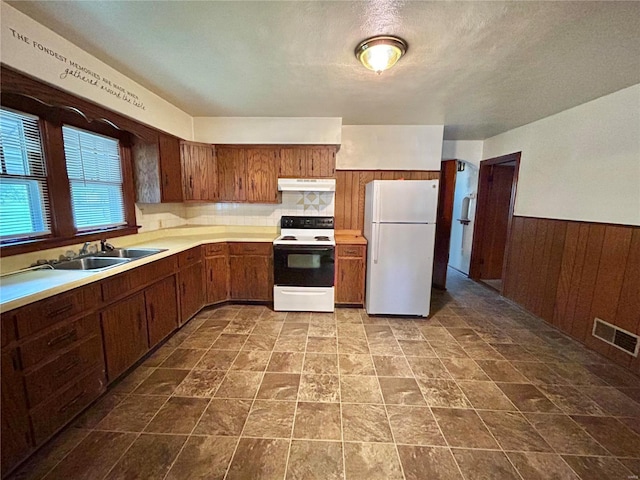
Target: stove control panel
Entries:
(307, 222)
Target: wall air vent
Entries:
(619, 338)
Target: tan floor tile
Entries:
(259, 459)
(322, 330)
(285, 362)
(354, 364)
(420, 463)
(322, 345)
(270, 419)
(224, 417)
(267, 328)
(99, 410)
(203, 458)
(484, 464)
(319, 421)
(541, 466)
(501, 371)
(443, 393)
(351, 345)
(315, 460)
(463, 428)
(365, 423)
(392, 366)
(319, 388)
(185, 358)
(295, 329)
(239, 385)
(263, 343)
(255, 361)
(129, 383)
(360, 389)
(279, 386)
(321, 363)
(570, 400)
(528, 398)
(401, 391)
(513, 431)
(132, 414)
(464, 369)
(414, 425)
(596, 468)
(486, 396)
(371, 461)
(428, 368)
(200, 383)
(612, 435)
(564, 435)
(413, 348)
(229, 342)
(612, 401)
(290, 344)
(299, 317)
(179, 415)
(217, 360)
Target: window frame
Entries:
(63, 231)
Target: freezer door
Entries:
(399, 269)
(410, 201)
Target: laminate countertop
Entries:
(350, 237)
(19, 289)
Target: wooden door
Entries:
(321, 162)
(293, 162)
(124, 328)
(262, 175)
(448, 170)
(16, 432)
(161, 301)
(232, 172)
(198, 171)
(350, 280)
(192, 291)
(238, 287)
(217, 274)
(170, 168)
(259, 277)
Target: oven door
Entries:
(303, 265)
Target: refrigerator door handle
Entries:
(376, 211)
(376, 243)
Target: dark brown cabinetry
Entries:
(161, 304)
(251, 271)
(124, 327)
(308, 162)
(199, 172)
(232, 172)
(191, 289)
(217, 272)
(248, 174)
(350, 274)
(157, 170)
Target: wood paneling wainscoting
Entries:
(568, 272)
(350, 184)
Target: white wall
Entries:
(35, 50)
(469, 151)
(390, 147)
(580, 164)
(268, 130)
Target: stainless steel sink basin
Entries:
(90, 263)
(131, 253)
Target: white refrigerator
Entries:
(400, 227)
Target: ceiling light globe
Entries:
(380, 53)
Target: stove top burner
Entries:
(288, 237)
(322, 238)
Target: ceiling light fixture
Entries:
(381, 53)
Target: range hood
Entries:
(307, 184)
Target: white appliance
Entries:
(307, 184)
(304, 265)
(400, 226)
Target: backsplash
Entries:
(157, 216)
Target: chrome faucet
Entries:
(85, 248)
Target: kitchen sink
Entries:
(90, 263)
(130, 253)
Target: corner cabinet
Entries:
(350, 274)
(190, 288)
(157, 170)
(216, 272)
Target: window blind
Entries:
(24, 200)
(95, 178)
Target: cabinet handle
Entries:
(70, 366)
(71, 402)
(153, 312)
(166, 179)
(60, 310)
(240, 184)
(184, 291)
(211, 275)
(191, 182)
(14, 360)
(61, 338)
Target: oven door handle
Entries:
(307, 293)
(303, 248)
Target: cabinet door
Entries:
(321, 162)
(350, 280)
(293, 163)
(262, 175)
(217, 274)
(198, 171)
(238, 278)
(251, 277)
(16, 433)
(161, 302)
(232, 172)
(191, 291)
(170, 170)
(124, 326)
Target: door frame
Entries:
(481, 211)
(444, 219)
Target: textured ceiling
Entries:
(479, 68)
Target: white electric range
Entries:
(304, 265)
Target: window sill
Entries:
(28, 246)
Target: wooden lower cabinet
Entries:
(217, 279)
(350, 274)
(251, 277)
(161, 302)
(191, 291)
(16, 438)
(124, 329)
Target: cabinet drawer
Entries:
(35, 317)
(252, 248)
(57, 339)
(212, 249)
(48, 379)
(154, 271)
(49, 416)
(117, 286)
(190, 256)
(351, 250)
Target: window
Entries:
(95, 179)
(24, 201)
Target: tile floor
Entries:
(481, 390)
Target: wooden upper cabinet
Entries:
(157, 170)
(199, 172)
(232, 172)
(262, 175)
(307, 162)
